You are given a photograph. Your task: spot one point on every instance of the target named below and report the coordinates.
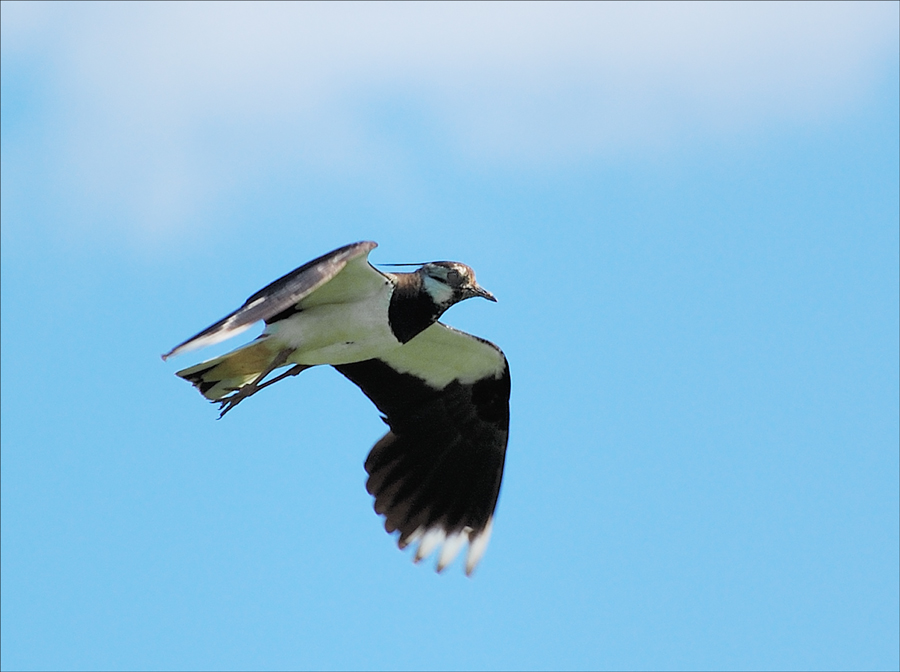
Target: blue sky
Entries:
(690, 215)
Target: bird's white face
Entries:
(449, 282)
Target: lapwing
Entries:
(443, 393)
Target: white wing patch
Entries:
(478, 546)
(429, 540)
(356, 282)
(442, 354)
(451, 548)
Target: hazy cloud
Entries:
(142, 87)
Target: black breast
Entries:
(412, 309)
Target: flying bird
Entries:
(443, 393)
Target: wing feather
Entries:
(437, 472)
(281, 295)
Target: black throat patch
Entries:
(412, 309)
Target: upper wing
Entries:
(291, 289)
(436, 475)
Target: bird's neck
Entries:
(412, 308)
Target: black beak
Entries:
(477, 290)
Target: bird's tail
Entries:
(217, 378)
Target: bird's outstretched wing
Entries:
(285, 293)
(436, 474)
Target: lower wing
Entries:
(436, 474)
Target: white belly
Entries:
(337, 333)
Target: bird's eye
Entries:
(453, 277)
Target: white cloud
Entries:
(142, 84)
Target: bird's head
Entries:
(449, 282)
